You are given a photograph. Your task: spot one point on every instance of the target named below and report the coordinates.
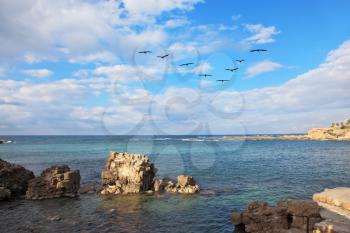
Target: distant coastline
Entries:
(336, 132)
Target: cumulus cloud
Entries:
(202, 68)
(261, 34)
(38, 73)
(262, 67)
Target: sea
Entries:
(231, 173)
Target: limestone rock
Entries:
(14, 178)
(54, 182)
(185, 185)
(339, 197)
(288, 216)
(127, 173)
(5, 194)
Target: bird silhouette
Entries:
(187, 64)
(222, 80)
(232, 69)
(145, 52)
(258, 50)
(240, 60)
(205, 75)
(164, 56)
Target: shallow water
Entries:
(231, 173)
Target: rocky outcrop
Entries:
(184, 185)
(14, 178)
(127, 173)
(339, 197)
(335, 209)
(54, 182)
(289, 215)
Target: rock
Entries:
(14, 178)
(54, 182)
(185, 185)
(5, 194)
(89, 188)
(288, 216)
(127, 173)
(339, 197)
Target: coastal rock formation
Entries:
(339, 197)
(14, 178)
(295, 215)
(335, 209)
(54, 182)
(184, 185)
(127, 173)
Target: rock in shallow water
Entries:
(127, 173)
(14, 178)
(185, 185)
(54, 182)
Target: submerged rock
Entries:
(54, 182)
(127, 173)
(14, 178)
(297, 215)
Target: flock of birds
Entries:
(208, 75)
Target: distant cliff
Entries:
(337, 131)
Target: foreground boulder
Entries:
(54, 182)
(5, 194)
(339, 197)
(14, 178)
(295, 214)
(184, 185)
(127, 173)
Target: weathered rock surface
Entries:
(288, 216)
(54, 182)
(14, 178)
(127, 173)
(5, 194)
(339, 197)
(184, 185)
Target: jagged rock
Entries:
(185, 185)
(288, 215)
(127, 173)
(54, 182)
(14, 178)
(89, 188)
(5, 194)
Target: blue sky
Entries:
(73, 67)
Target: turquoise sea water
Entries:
(231, 174)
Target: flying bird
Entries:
(164, 56)
(205, 75)
(258, 50)
(232, 69)
(240, 60)
(223, 80)
(187, 64)
(145, 52)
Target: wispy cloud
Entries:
(261, 34)
(262, 67)
(38, 73)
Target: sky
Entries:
(73, 67)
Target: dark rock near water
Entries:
(14, 178)
(5, 194)
(89, 188)
(54, 182)
(293, 214)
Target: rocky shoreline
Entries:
(336, 132)
(123, 174)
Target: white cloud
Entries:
(261, 34)
(262, 67)
(235, 17)
(38, 73)
(99, 57)
(175, 23)
(202, 68)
